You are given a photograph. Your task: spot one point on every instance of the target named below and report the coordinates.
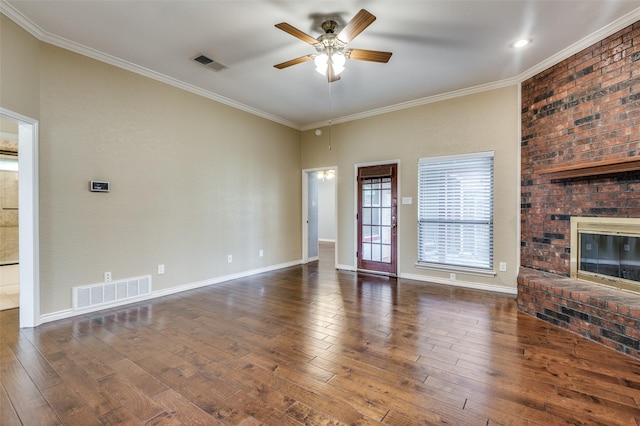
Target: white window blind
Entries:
(455, 211)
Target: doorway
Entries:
(27, 208)
(377, 218)
(319, 212)
(9, 259)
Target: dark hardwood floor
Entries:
(311, 345)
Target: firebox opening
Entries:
(606, 251)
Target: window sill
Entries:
(457, 269)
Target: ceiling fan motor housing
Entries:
(329, 27)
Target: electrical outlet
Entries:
(452, 276)
(160, 269)
(503, 266)
(229, 258)
(107, 277)
(261, 253)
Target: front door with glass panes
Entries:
(377, 218)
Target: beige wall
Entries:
(479, 122)
(19, 69)
(192, 182)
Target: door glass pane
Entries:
(366, 216)
(366, 234)
(386, 216)
(386, 253)
(376, 254)
(366, 251)
(375, 216)
(375, 234)
(386, 235)
(366, 196)
(386, 198)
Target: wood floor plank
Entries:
(137, 377)
(71, 408)
(128, 396)
(321, 399)
(119, 416)
(8, 415)
(36, 366)
(197, 389)
(312, 345)
(25, 398)
(180, 411)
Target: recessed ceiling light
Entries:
(520, 43)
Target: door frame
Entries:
(305, 210)
(28, 218)
(355, 214)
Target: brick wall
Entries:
(584, 109)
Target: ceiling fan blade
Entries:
(357, 24)
(296, 33)
(295, 61)
(369, 55)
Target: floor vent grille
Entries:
(105, 294)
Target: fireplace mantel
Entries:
(594, 168)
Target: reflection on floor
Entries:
(9, 287)
(326, 253)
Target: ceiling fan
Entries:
(331, 47)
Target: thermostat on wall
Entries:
(99, 186)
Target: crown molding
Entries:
(415, 103)
(64, 43)
(44, 36)
(612, 28)
(597, 36)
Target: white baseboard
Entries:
(346, 267)
(463, 284)
(225, 278)
(68, 313)
(436, 280)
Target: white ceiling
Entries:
(438, 47)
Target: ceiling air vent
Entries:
(209, 63)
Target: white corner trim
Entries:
(68, 313)
(463, 284)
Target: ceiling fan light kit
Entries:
(336, 60)
(332, 52)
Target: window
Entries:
(455, 211)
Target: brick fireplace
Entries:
(580, 157)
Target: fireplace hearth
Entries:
(600, 313)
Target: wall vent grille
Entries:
(209, 63)
(111, 293)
